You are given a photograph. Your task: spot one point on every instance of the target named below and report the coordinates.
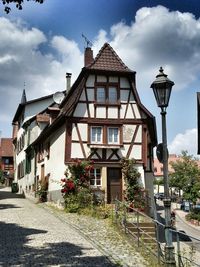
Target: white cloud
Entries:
(22, 59)
(156, 37)
(186, 141)
(159, 37)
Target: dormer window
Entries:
(107, 94)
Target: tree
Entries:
(134, 190)
(186, 176)
(18, 3)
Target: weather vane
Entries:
(88, 43)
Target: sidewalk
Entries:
(181, 215)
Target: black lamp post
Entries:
(162, 87)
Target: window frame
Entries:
(95, 185)
(106, 87)
(91, 135)
(113, 137)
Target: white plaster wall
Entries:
(83, 129)
(122, 111)
(91, 108)
(34, 108)
(55, 165)
(141, 171)
(139, 135)
(74, 133)
(112, 113)
(124, 150)
(124, 83)
(101, 112)
(90, 81)
(128, 132)
(136, 110)
(81, 110)
(129, 114)
(136, 152)
(76, 151)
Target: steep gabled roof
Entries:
(6, 147)
(107, 59)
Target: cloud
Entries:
(156, 37)
(184, 141)
(159, 37)
(27, 55)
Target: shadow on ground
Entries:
(8, 194)
(15, 250)
(161, 230)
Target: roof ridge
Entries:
(115, 57)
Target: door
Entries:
(114, 184)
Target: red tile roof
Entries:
(6, 147)
(108, 60)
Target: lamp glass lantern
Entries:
(162, 87)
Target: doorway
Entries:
(114, 184)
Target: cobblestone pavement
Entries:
(37, 235)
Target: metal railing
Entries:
(133, 220)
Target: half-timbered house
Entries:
(101, 119)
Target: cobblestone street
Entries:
(35, 235)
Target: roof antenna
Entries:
(88, 43)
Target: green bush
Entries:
(194, 215)
(75, 202)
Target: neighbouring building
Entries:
(6, 160)
(158, 169)
(27, 126)
(102, 119)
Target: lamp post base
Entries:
(169, 256)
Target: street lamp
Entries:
(162, 87)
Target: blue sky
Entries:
(42, 42)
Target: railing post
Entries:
(178, 249)
(124, 217)
(138, 229)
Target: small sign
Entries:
(159, 152)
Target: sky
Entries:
(40, 43)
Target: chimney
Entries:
(88, 57)
(68, 81)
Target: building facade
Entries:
(101, 119)
(6, 160)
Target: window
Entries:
(112, 94)
(6, 161)
(96, 135)
(95, 177)
(107, 94)
(113, 135)
(101, 96)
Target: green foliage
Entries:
(78, 201)
(2, 179)
(132, 176)
(186, 176)
(194, 215)
(75, 187)
(18, 4)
